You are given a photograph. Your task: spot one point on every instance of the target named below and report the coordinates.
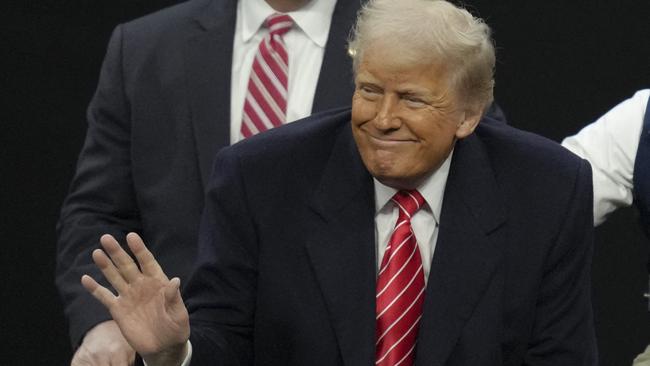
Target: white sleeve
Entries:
(610, 146)
(188, 357)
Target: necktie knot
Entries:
(408, 202)
(278, 24)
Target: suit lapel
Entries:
(343, 259)
(335, 83)
(466, 255)
(208, 56)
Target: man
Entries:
(161, 111)
(397, 233)
(617, 146)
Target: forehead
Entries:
(379, 67)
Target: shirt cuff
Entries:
(188, 357)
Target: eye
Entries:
(414, 101)
(369, 91)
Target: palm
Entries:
(148, 309)
(146, 320)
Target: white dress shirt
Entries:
(305, 44)
(610, 146)
(424, 223)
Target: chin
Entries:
(397, 180)
(399, 183)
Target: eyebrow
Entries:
(366, 78)
(419, 93)
(412, 91)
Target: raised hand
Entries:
(148, 307)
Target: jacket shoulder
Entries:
(510, 147)
(169, 18)
(312, 134)
(173, 25)
(286, 155)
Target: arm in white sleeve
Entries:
(610, 146)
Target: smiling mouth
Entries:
(389, 141)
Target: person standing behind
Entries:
(175, 87)
(617, 146)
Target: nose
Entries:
(387, 117)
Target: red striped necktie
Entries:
(265, 105)
(400, 288)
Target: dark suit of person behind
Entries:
(288, 269)
(160, 113)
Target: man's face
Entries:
(405, 120)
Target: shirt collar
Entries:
(432, 190)
(314, 18)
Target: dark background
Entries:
(561, 65)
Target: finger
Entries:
(148, 263)
(98, 291)
(111, 273)
(172, 292)
(121, 258)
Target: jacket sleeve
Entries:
(101, 197)
(563, 328)
(221, 292)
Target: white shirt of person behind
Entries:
(610, 145)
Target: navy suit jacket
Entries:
(286, 267)
(160, 113)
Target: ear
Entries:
(470, 120)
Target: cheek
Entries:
(436, 132)
(431, 154)
(414, 158)
(363, 110)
